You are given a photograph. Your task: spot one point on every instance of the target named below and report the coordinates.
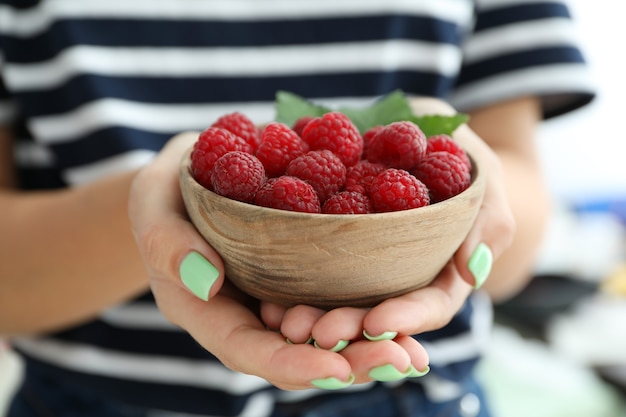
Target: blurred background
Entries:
(559, 348)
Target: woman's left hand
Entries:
(429, 308)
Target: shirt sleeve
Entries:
(520, 48)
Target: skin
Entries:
(67, 281)
(64, 255)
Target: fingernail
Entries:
(332, 383)
(341, 345)
(480, 264)
(198, 275)
(308, 341)
(385, 336)
(414, 373)
(388, 372)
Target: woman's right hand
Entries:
(188, 283)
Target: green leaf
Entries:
(391, 108)
(290, 107)
(437, 124)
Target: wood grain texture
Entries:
(329, 260)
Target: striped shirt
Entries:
(93, 88)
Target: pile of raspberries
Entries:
(324, 165)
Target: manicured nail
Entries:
(332, 383)
(308, 341)
(385, 336)
(480, 264)
(341, 345)
(388, 372)
(414, 373)
(198, 275)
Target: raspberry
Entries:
(240, 125)
(367, 138)
(347, 202)
(298, 126)
(238, 175)
(288, 193)
(211, 144)
(336, 132)
(444, 174)
(322, 169)
(279, 145)
(447, 144)
(399, 145)
(323, 164)
(396, 189)
(360, 176)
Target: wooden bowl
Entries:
(330, 260)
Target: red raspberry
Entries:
(446, 143)
(211, 144)
(347, 202)
(288, 193)
(279, 145)
(336, 132)
(396, 189)
(298, 126)
(240, 125)
(238, 175)
(398, 145)
(444, 174)
(360, 176)
(367, 138)
(322, 169)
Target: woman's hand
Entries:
(187, 279)
(185, 272)
(429, 308)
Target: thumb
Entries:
(491, 233)
(171, 247)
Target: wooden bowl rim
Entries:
(478, 182)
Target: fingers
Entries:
(341, 331)
(425, 309)
(185, 271)
(422, 310)
(171, 247)
(491, 234)
(493, 230)
(242, 343)
(417, 354)
(272, 314)
(298, 322)
(383, 360)
(330, 330)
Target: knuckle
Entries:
(506, 229)
(151, 242)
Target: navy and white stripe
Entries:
(185, 64)
(518, 48)
(97, 87)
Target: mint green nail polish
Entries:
(385, 336)
(388, 372)
(309, 341)
(480, 264)
(332, 383)
(414, 373)
(198, 275)
(341, 345)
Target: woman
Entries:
(92, 93)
